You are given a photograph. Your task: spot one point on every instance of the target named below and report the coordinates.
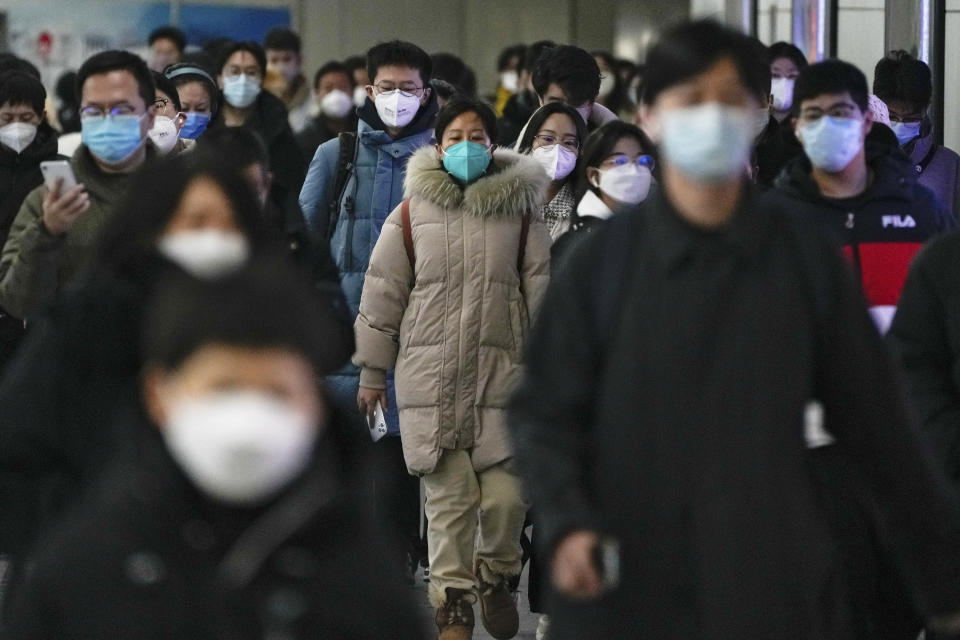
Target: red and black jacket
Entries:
(880, 230)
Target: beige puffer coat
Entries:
(454, 331)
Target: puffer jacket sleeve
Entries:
(536, 267)
(386, 291)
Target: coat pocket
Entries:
(518, 327)
(408, 325)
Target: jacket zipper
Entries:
(348, 250)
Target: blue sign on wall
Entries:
(204, 22)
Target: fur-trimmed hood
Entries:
(513, 185)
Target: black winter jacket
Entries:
(880, 231)
(147, 556)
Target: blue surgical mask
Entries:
(831, 143)
(240, 91)
(195, 125)
(708, 142)
(113, 139)
(466, 161)
(905, 131)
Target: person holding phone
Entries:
(53, 234)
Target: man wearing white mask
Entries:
(26, 140)
(354, 182)
(282, 47)
(662, 444)
(241, 70)
(333, 94)
(867, 197)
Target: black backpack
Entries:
(345, 166)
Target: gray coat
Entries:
(940, 172)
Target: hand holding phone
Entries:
(65, 200)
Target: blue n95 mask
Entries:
(466, 161)
(113, 139)
(195, 124)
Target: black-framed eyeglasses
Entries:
(161, 103)
(408, 89)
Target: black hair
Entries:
(460, 104)
(443, 89)
(10, 62)
(789, 51)
(172, 34)
(762, 69)
(265, 305)
(355, 62)
(282, 39)
(186, 72)
(599, 146)
(454, 70)
(129, 241)
(534, 51)
(899, 76)
(66, 87)
(333, 66)
(250, 47)
(115, 60)
(18, 88)
(166, 86)
(830, 76)
(617, 100)
(691, 48)
(572, 69)
(214, 46)
(540, 116)
(397, 52)
(241, 146)
(517, 51)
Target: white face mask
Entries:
(359, 96)
(509, 80)
(239, 447)
(336, 104)
(288, 70)
(395, 109)
(556, 160)
(206, 253)
(18, 135)
(709, 142)
(831, 143)
(629, 183)
(240, 91)
(163, 134)
(782, 90)
(607, 83)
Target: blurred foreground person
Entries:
(455, 335)
(663, 443)
(243, 518)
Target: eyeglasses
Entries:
(407, 89)
(620, 159)
(914, 117)
(161, 103)
(94, 112)
(570, 143)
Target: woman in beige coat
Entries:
(455, 278)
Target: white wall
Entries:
(774, 21)
(860, 33)
(951, 94)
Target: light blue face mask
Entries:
(466, 161)
(240, 91)
(831, 143)
(905, 131)
(113, 139)
(195, 125)
(708, 142)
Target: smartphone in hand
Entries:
(53, 169)
(378, 424)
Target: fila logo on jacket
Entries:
(899, 222)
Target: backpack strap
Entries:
(521, 254)
(345, 165)
(407, 232)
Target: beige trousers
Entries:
(459, 500)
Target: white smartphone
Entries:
(53, 169)
(377, 426)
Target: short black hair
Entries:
(265, 305)
(762, 69)
(172, 34)
(185, 72)
(115, 60)
(827, 77)
(250, 47)
(534, 51)
(789, 51)
(454, 70)
(18, 88)
(66, 88)
(540, 116)
(517, 51)
(404, 54)
(166, 86)
(355, 62)
(333, 66)
(599, 146)
(240, 146)
(900, 76)
(689, 49)
(460, 104)
(282, 39)
(573, 69)
(443, 89)
(10, 62)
